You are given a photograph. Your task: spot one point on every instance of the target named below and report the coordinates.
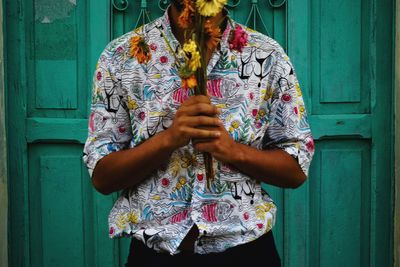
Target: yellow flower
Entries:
(192, 55)
(133, 218)
(122, 219)
(132, 103)
(210, 8)
(268, 94)
(298, 89)
(235, 124)
(182, 180)
(195, 62)
(262, 209)
(190, 47)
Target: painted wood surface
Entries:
(3, 157)
(342, 52)
(397, 139)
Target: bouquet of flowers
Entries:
(202, 36)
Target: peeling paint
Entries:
(47, 11)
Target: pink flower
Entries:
(153, 47)
(120, 49)
(99, 76)
(310, 145)
(239, 39)
(251, 95)
(111, 231)
(91, 122)
(142, 115)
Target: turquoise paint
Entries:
(343, 58)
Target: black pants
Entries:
(261, 251)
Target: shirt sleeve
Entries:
(109, 128)
(288, 127)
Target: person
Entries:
(147, 136)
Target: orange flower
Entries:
(189, 82)
(139, 49)
(186, 17)
(213, 35)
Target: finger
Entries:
(200, 133)
(205, 147)
(200, 109)
(197, 99)
(201, 140)
(201, 121)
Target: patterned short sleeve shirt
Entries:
(262, 106)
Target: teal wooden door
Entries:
(342, 52)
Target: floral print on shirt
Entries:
(262, 106)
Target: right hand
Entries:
(196, 118)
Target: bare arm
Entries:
(125, 168)
(273, 166)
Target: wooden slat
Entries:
(75, 130)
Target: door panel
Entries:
(342, 53)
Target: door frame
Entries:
(3, 154)
(396, 232)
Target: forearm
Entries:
(127, 168)
(275, 167)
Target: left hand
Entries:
(223, 148)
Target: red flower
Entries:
(111, 232)
(286, 97)
(238, 39)
(163, 59)
(122, 129)
(246, 216)
(255, 112)
(165, 182)
(99, 76)
(296, 110)
(200, 177)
